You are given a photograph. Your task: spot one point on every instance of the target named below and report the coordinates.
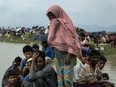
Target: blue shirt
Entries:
(23, 63)
(48, 51)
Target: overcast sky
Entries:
(33, 12)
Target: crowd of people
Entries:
(33, 65)
(35, 70)
(78, 63)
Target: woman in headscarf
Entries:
(62, 36)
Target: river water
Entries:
(8, 51)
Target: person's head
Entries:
(27, 51)
(102, 61)
(51, 16)
(56, 11)
(29, 61)
(35, 47)
(105, 76)
(44, 43)
(12, 77)
(94, 56)
(40, 60)
(82, 36)
(85, 56)
(17, 60)
(27, 67)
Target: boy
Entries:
(26, 70)
(35, 47)
(105, 77)
(80, 64)
(90, 70)
(13, 79)
(48, 51)
(27, 51)
(15, 66)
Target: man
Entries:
(42, 74)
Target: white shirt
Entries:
(77, 70)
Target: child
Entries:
(48, 51)
(35, 47)
(105, 77)
(15, 66)
(90, 71)
(13, 80)
(17, 61)
(26, 70)
(27, 51)
(102, 62)
(80, 64)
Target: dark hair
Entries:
(18, 59)
(84, 53)
(94, 52)
(105, 75)
(27, 48)
(35, 46)
(45, 42)
(12, 72)
(50, 14)
(82, 34)
(103, 58)
(42, 54)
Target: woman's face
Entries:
(51, 16)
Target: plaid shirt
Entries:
(88, 74)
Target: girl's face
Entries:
(51, 16)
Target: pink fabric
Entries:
(62, 34)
